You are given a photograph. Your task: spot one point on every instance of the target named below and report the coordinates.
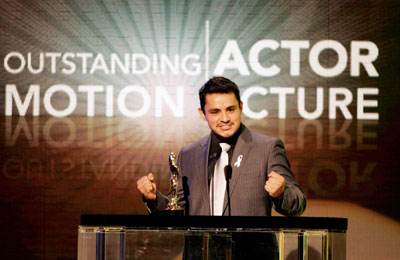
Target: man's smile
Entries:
(225, 127)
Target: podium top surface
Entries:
(210, 222)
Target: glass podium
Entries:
(122, 237)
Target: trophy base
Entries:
(168, 212)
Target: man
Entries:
(261, 175)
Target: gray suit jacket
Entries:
(260, 155)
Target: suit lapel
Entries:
(202, 173)
(242, 150)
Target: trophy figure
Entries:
(173, 208)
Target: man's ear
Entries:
(202, 114)
(241, 105)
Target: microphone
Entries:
(228, 176)
(228, 172)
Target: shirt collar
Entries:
(215, 140)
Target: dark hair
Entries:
(218, 85)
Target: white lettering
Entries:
(90, 90)
(196, 65)
(122, 101)
(71, 96)
(40, 66)
(245, 98)
(366, 60)
(254, 58)
(12, 94)
(21, 59)
(115, 60)
(282, 92)
(224, 62)
(301, 104)
(99, 64)
(316, 51)
(84, 56)
(109, 101)
(71, 65)
(341, 104)
(166, 62)
(135, 63)
(162, 95)
(362, 103)
(53, 60)
(295, 47)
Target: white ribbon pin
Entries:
(239, 159)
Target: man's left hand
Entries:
(275, 185)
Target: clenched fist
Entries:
(147, 186)
(275, 185)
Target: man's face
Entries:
(222, 112)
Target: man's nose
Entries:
(225, 117)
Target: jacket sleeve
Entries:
(293, 201)
(155, 207)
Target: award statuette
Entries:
(173, 209)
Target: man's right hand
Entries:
(147, 186)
